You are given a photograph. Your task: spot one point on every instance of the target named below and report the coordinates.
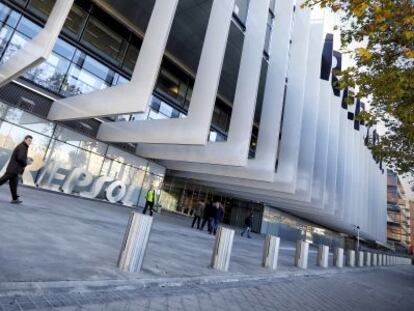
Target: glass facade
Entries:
(91, 56)
(181, 195)
(69, 162)
(293, 228)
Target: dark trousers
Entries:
(196, 219)
(213, 225)
(248, 230)
(13, 180)
(151, 207)
(205, 220)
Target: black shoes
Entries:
(17, 201)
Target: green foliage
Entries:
(383, 30)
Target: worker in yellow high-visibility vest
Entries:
(150, 198)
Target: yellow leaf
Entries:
(360, 9)
(364, 53)
(409, 53)
(408, 34)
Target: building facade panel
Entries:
(307, 150)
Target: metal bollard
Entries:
(350, 258)
(323, 256)
(223, 246)
(271, 252)
(135, 242)
(338, 257)
(360, 259)
(368, 259)
(301, 256)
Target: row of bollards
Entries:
(138, 231)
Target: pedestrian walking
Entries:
(150, 198)
(208, 210)
(248, 222)
(17, 163)
(217, 217)
(198, 213)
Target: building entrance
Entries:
(180, 195)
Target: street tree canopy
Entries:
(381, 36)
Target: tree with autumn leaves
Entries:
(383, 70)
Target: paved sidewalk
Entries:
(385, 289)
(60, 251)
(53, 237)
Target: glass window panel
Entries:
(29, 121)
(213, 136)
(68, 136)
(130, 58)
(11, 136)
(49, 74)
(93, 145)
(3, 110)
(125, 157)
(119, 80)
(75, 21)
(64, 49)
(241, 8)
(150, 180)
(65, 156)
(8, 16)
(104, 40)
(20, 2)
(79, 81)
(28, 28)
(172, 86)
(16, 43)
(79, 58)
(156, 169)
(5, 35)
(98, 69)
(268, 39)
(188, 97)
(154, 115)
(134, 179)
(166, 109)
(41, 8)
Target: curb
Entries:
(8, 289)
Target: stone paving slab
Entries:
(390, 288)
(52, 237)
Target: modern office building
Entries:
(230, 100)
(398, 214)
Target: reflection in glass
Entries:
(104, 40)
(75, 21)
(29, 121)
(28, 28)
(15, 44)
(5, 34)
(131, 58)
(64, 49)
(49, 74)
(80, 81)
(8, 16)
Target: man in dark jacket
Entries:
(208, 210)
(17, 163)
